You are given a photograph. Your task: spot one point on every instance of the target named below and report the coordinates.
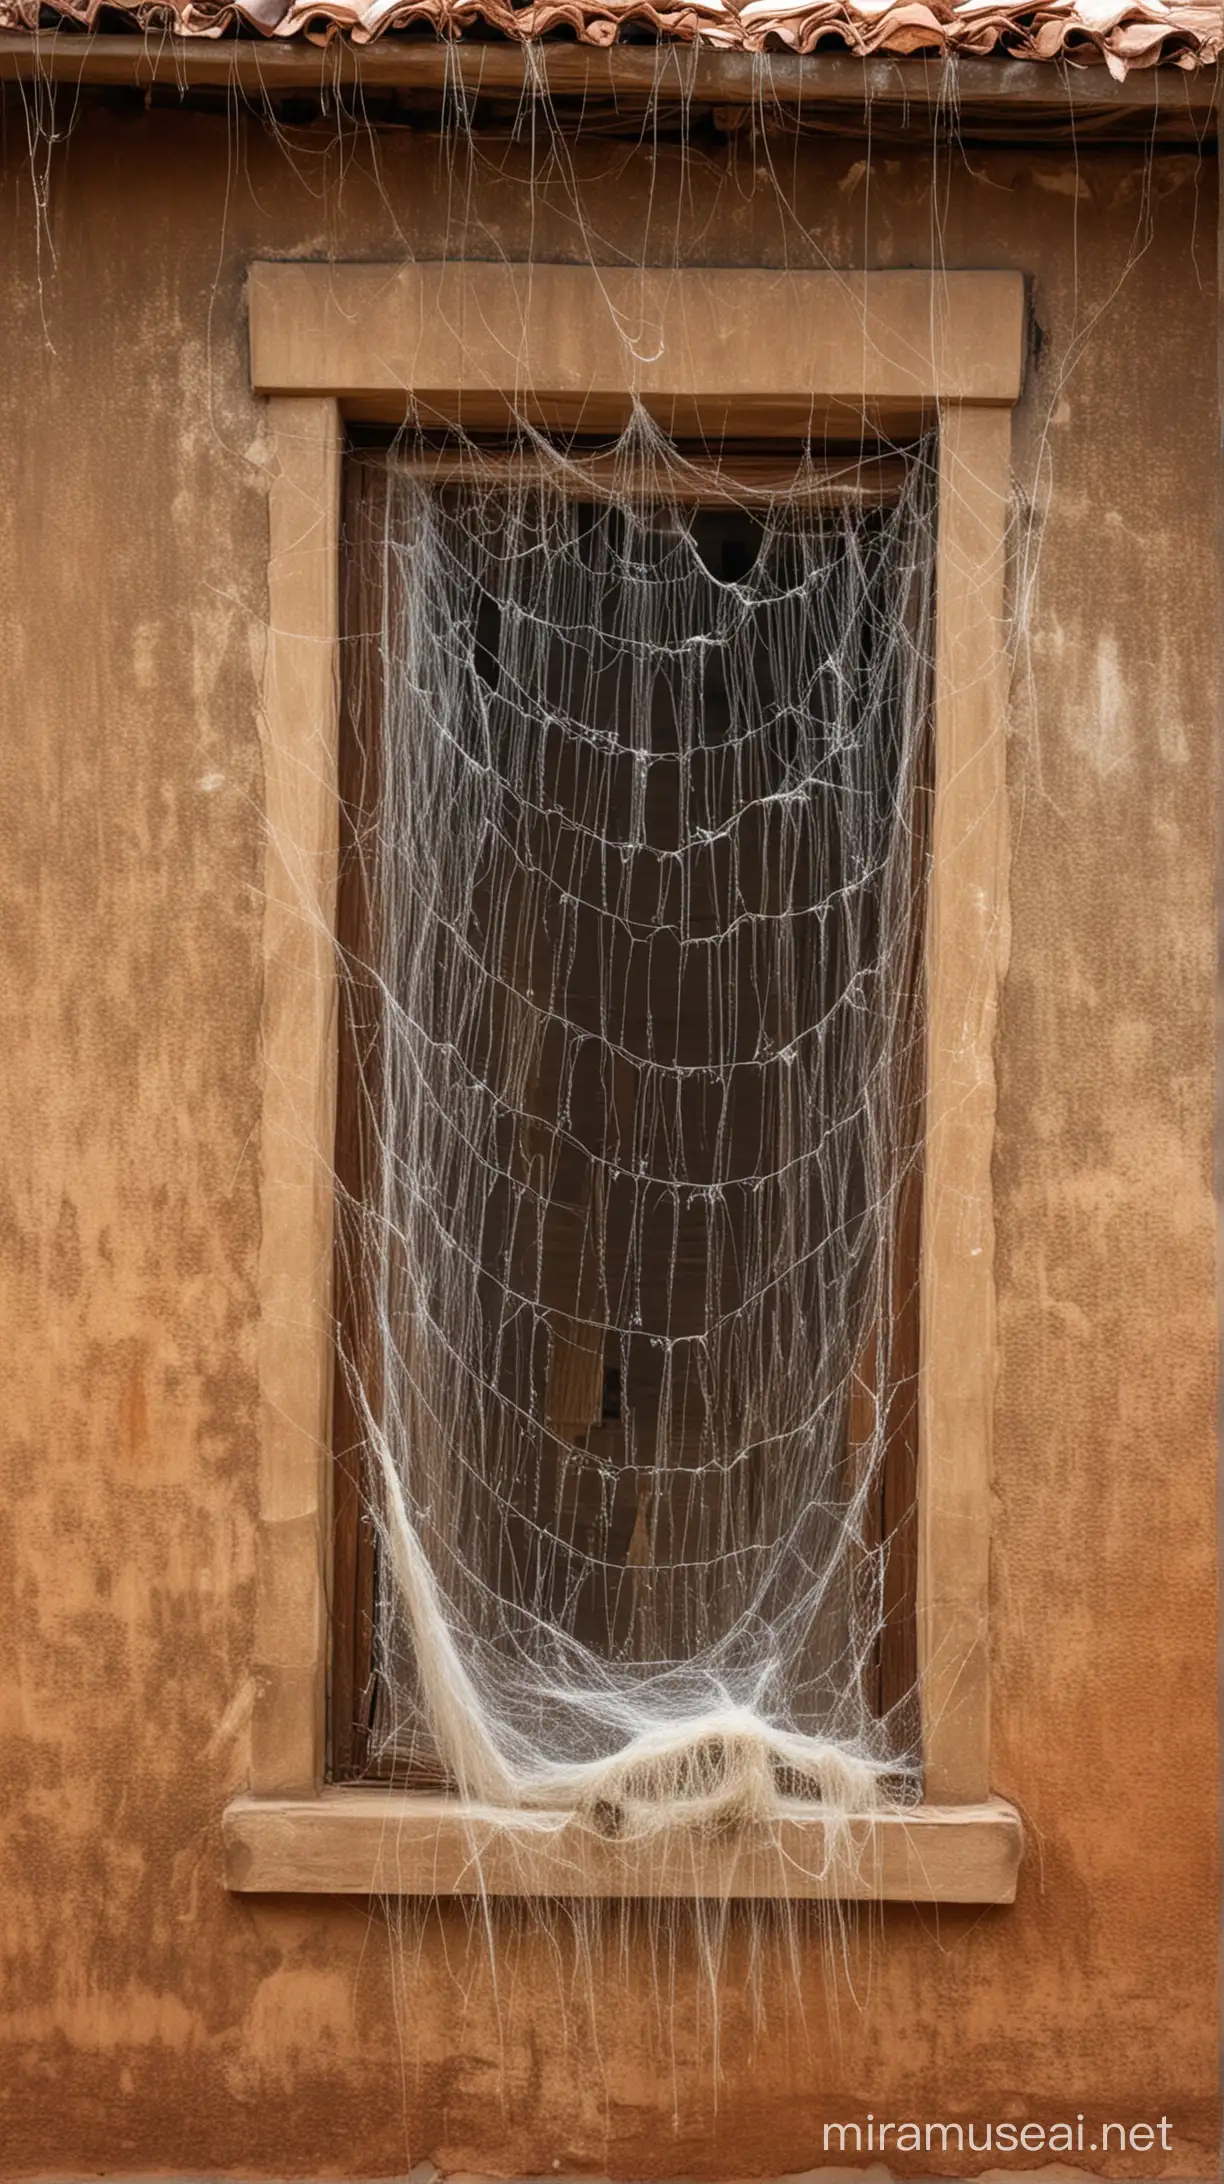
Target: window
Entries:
(633, 859)
(820, 357)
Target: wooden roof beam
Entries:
(808, 85)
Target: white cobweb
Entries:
(640, 860)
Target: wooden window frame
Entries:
(713, 353)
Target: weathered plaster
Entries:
(152, 2023)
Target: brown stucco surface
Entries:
(151, 2022)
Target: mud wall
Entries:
(150, 2021)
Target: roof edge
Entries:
(1181, 90)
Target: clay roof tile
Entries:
(1121, 34)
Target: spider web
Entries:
(641, 854)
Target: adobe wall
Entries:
(151, 2022)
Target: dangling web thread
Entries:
(640, 852)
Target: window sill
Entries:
(378, 1842)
